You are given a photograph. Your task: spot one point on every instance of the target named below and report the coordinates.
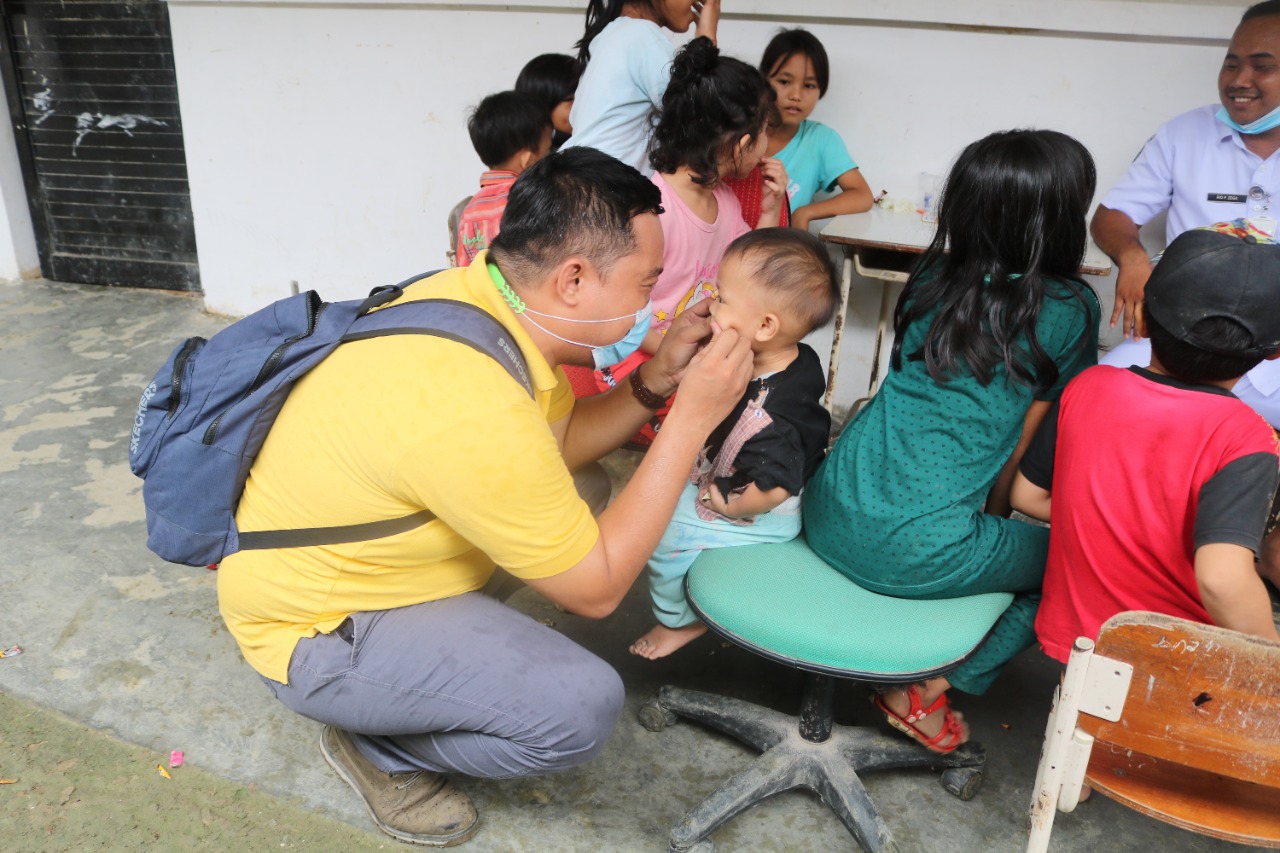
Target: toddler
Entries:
(776, 286)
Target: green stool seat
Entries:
(783, 602)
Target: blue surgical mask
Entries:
(1269, 121)
(603, 356)
(609, 354)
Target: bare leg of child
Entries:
(662, 641)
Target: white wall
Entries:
(18, 256)
(326, 143)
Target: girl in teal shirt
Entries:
(913, 500)
(814, 155)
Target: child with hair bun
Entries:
(712, 126)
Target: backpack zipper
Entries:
(313, 312)
(179, 369)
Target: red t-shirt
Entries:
(1143, 469)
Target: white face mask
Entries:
(608, 354)
(602, 355)
(1261, 125)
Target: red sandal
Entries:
(945, 741)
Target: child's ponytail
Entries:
(711, 102)
(600, 13)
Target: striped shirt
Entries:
(482, 217)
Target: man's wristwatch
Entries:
(647, 398)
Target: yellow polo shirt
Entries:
(386, 427)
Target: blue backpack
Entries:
(202, 420)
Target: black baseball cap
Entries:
(1205, 273)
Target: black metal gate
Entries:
(94, 101)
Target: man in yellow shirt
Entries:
(390, 642)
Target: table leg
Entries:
(833, 367)
(886, 310)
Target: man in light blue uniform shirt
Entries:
(1209, 165)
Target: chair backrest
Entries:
(1198, 740)
(1203, 696)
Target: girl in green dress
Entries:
(913, 500)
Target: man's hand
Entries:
(688, 332)
(1131, 282)
(713, 383)
(708, 14)
(1117, 235)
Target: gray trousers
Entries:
(464, 684)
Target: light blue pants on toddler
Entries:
(689, 535)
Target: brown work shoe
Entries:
(418, 807)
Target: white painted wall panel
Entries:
(18, 255)
(327, 144)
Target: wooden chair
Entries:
(1178, 720)
(784, 603)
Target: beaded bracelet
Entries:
(647, 398)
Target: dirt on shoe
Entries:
(417, 808)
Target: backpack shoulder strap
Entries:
(445, 318)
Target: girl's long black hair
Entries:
(549, 78)
(1012, 214)
(600, 14)
(711, 102)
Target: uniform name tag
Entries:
(1231, 198)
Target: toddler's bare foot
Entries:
(662, 641)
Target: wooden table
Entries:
(883, 246)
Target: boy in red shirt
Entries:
(1167, 513)
(510, 132)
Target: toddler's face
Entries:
(797, 88)
(737, 304)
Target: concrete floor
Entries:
(121, 641)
